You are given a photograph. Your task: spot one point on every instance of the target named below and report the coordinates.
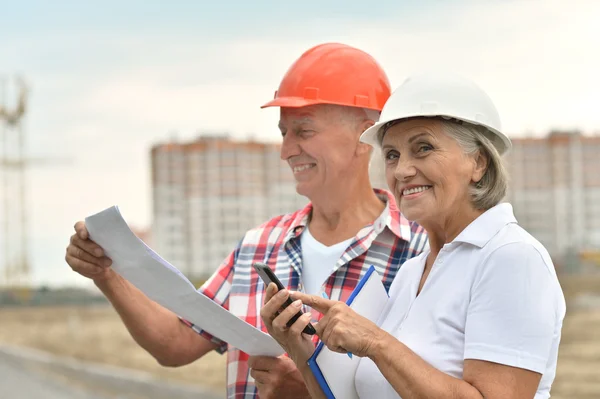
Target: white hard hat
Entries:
(440, 95)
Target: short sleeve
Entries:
(515, 309)
(218, 288)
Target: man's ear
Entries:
(363, 148)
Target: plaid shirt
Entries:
(386, 244)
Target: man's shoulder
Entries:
(274, 227)
(285, 220)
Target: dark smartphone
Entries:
(268, 277)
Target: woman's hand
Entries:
(342, 329)
(299, 346)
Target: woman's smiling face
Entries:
(427, 171)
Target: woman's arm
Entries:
(299, 346)
(311, 382)
(343, 330)
(414, 378)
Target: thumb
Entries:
(81, 230)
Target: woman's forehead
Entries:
(405, 130)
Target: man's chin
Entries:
(303, 189)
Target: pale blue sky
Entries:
(229, 18)
(111, 78)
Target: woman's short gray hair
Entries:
(491, 189)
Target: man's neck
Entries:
(340, 214)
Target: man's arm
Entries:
(156, 329)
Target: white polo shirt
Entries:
(492, 294)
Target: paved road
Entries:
(24, 380)
(34, 375)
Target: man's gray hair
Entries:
(355, 115)
(372, 114)
(491, 189)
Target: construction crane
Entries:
(13, 166)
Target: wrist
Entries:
(381, 344)
(109, 281)
(304, 368)
(300, 356)
(301, 362)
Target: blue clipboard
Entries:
(312, 361)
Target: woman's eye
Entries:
(391, 155)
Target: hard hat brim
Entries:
(290, 102)
(371, 136)
(298, 102)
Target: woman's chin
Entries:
(413, 213)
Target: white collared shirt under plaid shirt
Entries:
(386, 244)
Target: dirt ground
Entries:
(97, 334)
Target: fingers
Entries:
(336, 342)
(271, 291)
(81, 230)
(264, 363)
(297, 328)
(316, 302)
(85, 256)
(78, 253)
(280, 322)
(270, 309)
(88, 246)
(321, 326)
(337, 349)
(82, 267)
(260, 376)
(324, 331)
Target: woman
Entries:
(479, 314)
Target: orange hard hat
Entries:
(333, 73)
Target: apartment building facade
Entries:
(555, 190)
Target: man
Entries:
(328, 97)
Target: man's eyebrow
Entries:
(304, 119)
(299, 121)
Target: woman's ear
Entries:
(481, 164)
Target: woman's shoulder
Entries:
(517, 259)
(513, 241)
